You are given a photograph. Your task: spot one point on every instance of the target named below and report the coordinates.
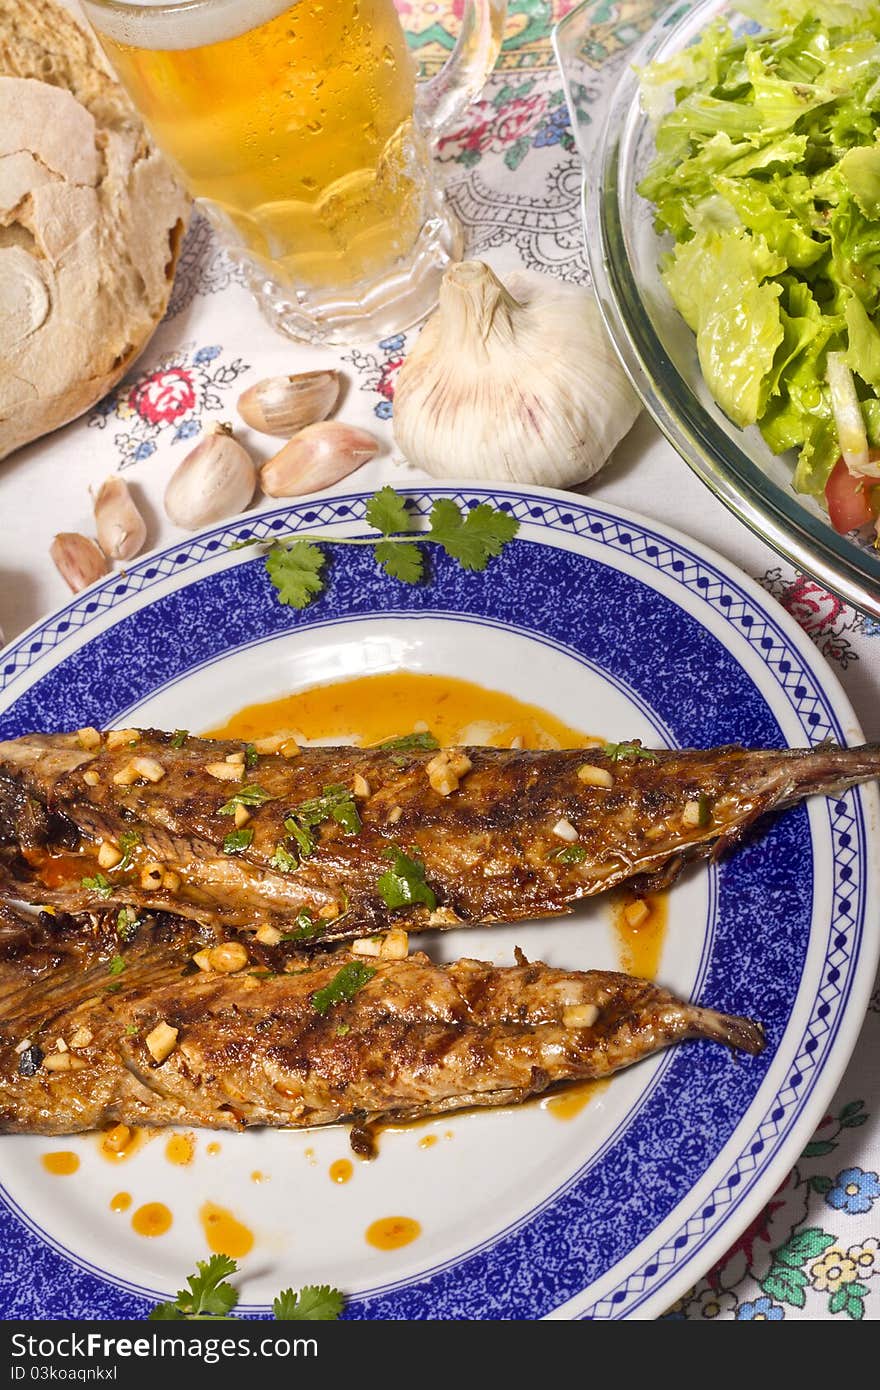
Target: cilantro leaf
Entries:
(344, 985)
(472, 540)
(570, 854)
(295, 572)
(236, 841)
(410, 743)
(403, 562)
(404, 883)
(620, 752)
(314, 1303)
(283, 860)
(127, 925)
(208, 1295)
(305, 842)
(335, 803)
(247, 796)
(179, 738)
(100, 884)
(127, 842)
(387, 512)
(116, 966)
(251, 756)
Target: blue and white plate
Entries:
(619, 627)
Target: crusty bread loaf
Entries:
(91, 219)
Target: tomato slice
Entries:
(849, 499)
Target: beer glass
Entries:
(301, 130)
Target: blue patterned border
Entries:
(498, 1280)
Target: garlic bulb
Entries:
(215, 480)
(284, 404)
(316, 458)
(516, 383)
(121, 529)
(77, 559)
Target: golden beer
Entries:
(294, 122)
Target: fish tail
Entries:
(745, 1034)
(827, 768)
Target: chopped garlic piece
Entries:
(116, 1139)
(170, 881)
(368, 946)
(268, 935)
(290, 748)
(394, 815)
(151, 875)
(394, 945)
(225, 772)
(593, 776)
(122, 738)
(564, 830)
(82, 1037)
(695, 814)
(91, 779)
(235, 757)
(161, 1041)
(229, 957)
(149, 768)
(635, 913)
(109, 855)
(88, 738)
(241, 816)
(203, 959)
(360, 786)
(579, 1016)
(269, 745)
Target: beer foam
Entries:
(156, 24)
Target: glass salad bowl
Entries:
(656, 346)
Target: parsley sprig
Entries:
(404, 883)
(472, 538)
(344, 985)
(210, 1297)
(621, 752)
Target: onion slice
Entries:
(848, 418)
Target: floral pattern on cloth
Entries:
(800, 1254)
(170, 398)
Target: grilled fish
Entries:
(347, 840)
(288, 1040)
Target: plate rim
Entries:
(827, 684)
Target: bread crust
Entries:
(91, 223)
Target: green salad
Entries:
(767, 176)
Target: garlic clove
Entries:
(282, 405)
(121, 529)
(215, 480)
(77, 559)
(316, 458)
(516, 382)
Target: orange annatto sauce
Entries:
(573, 1099)
(120, 1142)
(428, 1142)
(341, 1170)
(370, 709)
(392, 1232)
(120, 1201)
(152, 1219)
(225, 1234)
(180, 1149)
(61, 1163)
(213, 1148)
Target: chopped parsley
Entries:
(570, 854)
(116, 966)
(179, 738)
(130, 1030)
(128, 841)
(236, 841)
(283, 860)
(335, 803)
(247, 796)
(251, 756)
(100, 884)
(344, 985)
(304, 841)
(471, 537)
(404, 883)
(343, 1030)
(127, 924)
(306, 926)
(621, 752)
(410, 743)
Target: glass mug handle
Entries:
(441, 100)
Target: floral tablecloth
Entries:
(514, 180)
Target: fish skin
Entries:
(417, 1039)
(488, 849)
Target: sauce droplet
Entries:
(152, 1219)
(393, 1232)
(62, 1164)
(257, 1176)
(341, 1170)
(180, 1149)
(224, 1233)
(120, 1142)
(310, 1157)
(428, 1142)
(121, 1201)
(213, 1148)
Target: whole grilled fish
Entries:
(347, 841)
(286, 1040)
